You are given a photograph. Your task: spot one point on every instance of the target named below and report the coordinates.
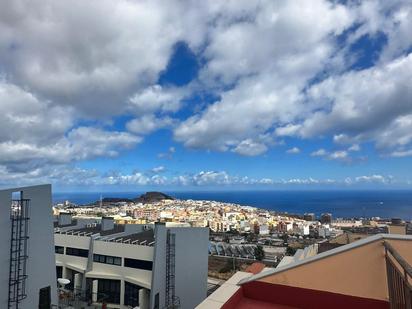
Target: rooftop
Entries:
(92, 229)
(358, 275)
(142, 238)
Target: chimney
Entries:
(65, 218)
(107, 224)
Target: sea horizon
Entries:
(340, 203)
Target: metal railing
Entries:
(399, 274)
(78, 298)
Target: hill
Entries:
(151, 197)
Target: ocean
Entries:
(344, 204)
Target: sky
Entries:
(123, 95)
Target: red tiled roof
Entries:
(255, 268)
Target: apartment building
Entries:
(128, 266)
(27, 277)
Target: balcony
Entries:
(371, 273)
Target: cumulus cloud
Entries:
(156, 98)
(249, 52)
(319, 153)
(249, 147)
(356, 113)
(158, 169)
(294, 150)
(147, 124)
(67, 63)
(273, 87)
(354, 147)
(374, 179)
(346, 156)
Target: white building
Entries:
(303, 229)
(324, 231)
(263, 229)
(142, 266)
(346, 223)
(27, 278)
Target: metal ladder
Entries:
(18, 252)
(172, 301)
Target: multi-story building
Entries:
(148, 266)
(326, 218)
(27, 279)
(309, 217)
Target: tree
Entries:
(259, 253)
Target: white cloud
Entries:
(156, 98)
(338, 155)
(319, 153)
(294, 150)
(265, 54)
(158, 169)
(92, 54)
(401, 153)
(66, 62)
(147, 124)
(80, 144)
(249, 147)
(374, 179)
(354, 147)
(75, 176)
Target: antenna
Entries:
(101, 201)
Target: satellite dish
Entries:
(63, 281)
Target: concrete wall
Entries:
(191, 265)
(41, 268)
(99, 270)
(159, 266)
(360, 271)
(191, 262)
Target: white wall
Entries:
(41, 268)
(191, 265)
(100, 270)
(159, 266)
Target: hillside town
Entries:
(236, 231)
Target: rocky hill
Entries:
(151, 197)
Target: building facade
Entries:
(144, 266)
(27, 279)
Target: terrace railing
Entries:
(399, 274)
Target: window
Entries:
(140, 264)
(77, 252)
(131, 294)
(109, 291)
(59, 249)
(107, 259)
(59, 272)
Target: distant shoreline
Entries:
(345, 204)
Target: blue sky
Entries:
(136, 95)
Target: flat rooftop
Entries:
(96, 229)
(142, 238)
